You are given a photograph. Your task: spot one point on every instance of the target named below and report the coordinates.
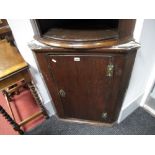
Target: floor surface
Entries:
(138, 123)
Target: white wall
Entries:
(23, 33)
(148, 50)
(153, 93)
(135, 90)
(143, 74)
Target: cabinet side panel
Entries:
(126, 28)
(123, 85)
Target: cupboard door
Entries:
(83, 84)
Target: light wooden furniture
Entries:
(14, 74)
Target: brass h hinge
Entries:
(110, 70)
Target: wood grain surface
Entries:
(10, 59)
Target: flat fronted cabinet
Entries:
(87, 86)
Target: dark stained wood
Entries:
(3, 22)
(77, 45)
(126, 28)
(81, 35)
(76, 72)
(129, 59)
(85, 38)
(44, 67)
(106, 93)
(83, 84)
(89, 122)
(43, 48)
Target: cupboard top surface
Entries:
(81, 35)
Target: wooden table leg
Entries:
(11, 121)
(8, 103)
(37, 98)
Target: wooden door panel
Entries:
(84, 81)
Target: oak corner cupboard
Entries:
(86, 65)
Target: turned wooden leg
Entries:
(37, 98)
(15, 126)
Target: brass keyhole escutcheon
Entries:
(62, 93)
(110, 70)
(104, 115)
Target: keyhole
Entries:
(62, 93)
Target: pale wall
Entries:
(148, 50)
(143, 74)
(23, 33)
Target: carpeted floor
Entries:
(138, 123)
